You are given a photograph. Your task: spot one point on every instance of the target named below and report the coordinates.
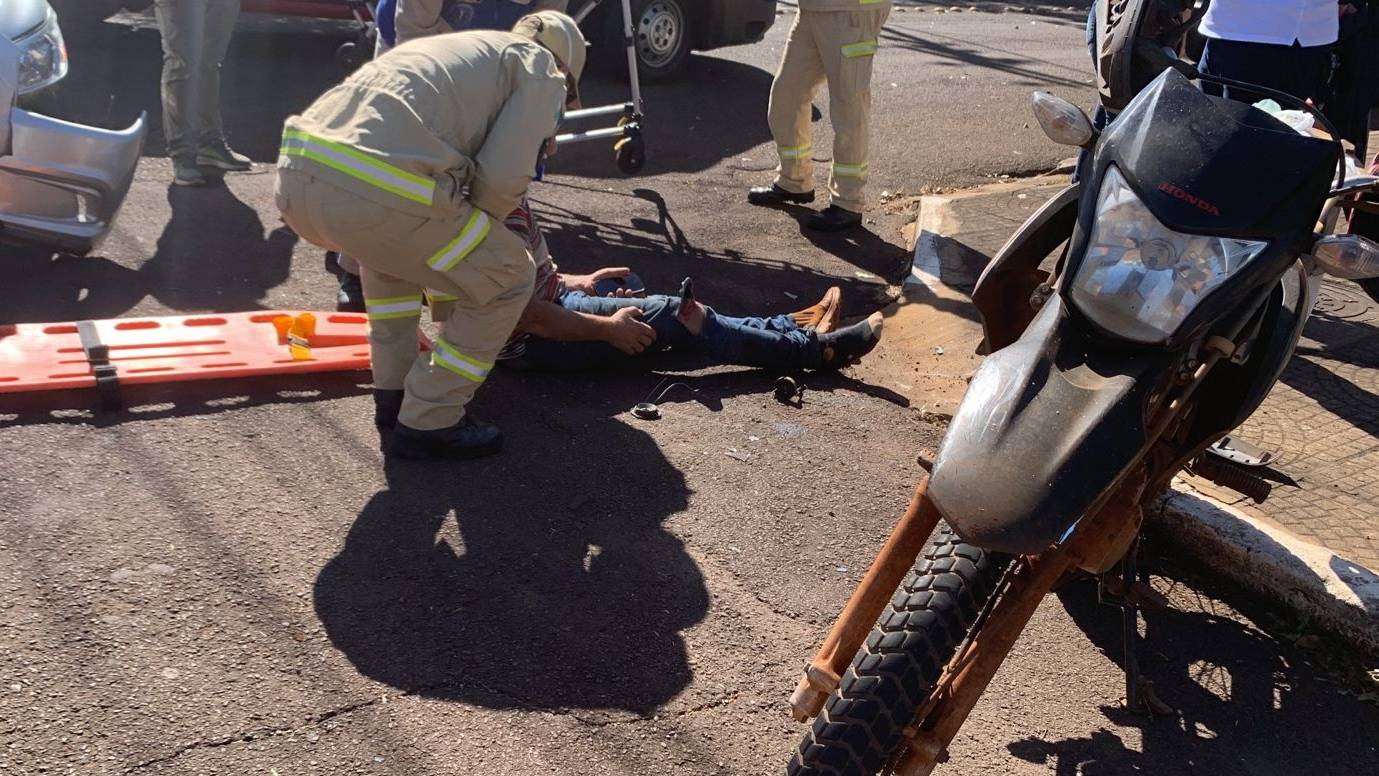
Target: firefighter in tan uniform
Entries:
(410, 166)
(833, 41)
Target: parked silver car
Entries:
(33, 26)
(61, 184)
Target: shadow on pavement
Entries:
(184, 399)
(212, 255)
(653, 245)
(1245, 703)
(714, 110)
(540, 579)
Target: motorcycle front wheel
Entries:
(929, 617)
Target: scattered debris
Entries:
(938, 350)
(925, 459)
(737, 455)
(788, 430)
(792, 296)
(841, 569)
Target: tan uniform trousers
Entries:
(480, 269)
(837, 47)
(196, 35)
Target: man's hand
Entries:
(625, 331)
(586, 283)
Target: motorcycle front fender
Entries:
(1047, 426)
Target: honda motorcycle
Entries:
(1194, 259)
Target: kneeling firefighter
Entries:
(407, 166)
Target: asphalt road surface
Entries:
(227, 580)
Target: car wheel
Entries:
(660, 34)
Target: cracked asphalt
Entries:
(226, 579)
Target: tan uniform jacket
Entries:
(435, 122)
(420, 18)
(842, 5)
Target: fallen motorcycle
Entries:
(1193, 263)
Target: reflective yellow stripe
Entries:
(864, 49)
(447, 357)
(389, 307)
(797, 152)
(473, 233)
(870, 2)
(358, 164)
(850, 170)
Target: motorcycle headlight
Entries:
(43, 57)
(1139, 279)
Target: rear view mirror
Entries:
(1347, 256)
(1062, 121)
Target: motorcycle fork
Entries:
(1024, 586)
(893, 562)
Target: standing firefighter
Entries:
(410, 166)
(833, 40)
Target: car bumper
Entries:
(732, 22)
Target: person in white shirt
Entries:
(1282, 44)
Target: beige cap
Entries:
(559, 34)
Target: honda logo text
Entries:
(1197, 202)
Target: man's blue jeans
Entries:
(770, 343)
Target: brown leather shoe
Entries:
(822, 316)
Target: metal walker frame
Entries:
(629, 147)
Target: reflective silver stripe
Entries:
(473, 233)
(394, 307)
(447, 357)
(359, 165)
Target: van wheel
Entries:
(661, 35)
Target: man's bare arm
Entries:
(623, 330)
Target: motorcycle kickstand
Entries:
(1139, 691)
(1130, 625)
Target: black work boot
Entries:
(386, 405)
(350, 297)
(775, 195)
(849, 344)
(467, 439)
(834, 219)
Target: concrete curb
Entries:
(1334, 593)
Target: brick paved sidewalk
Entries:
(1322, 422)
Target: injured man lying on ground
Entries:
(568, 326)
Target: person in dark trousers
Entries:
(1355, 83)
(1283, 44)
